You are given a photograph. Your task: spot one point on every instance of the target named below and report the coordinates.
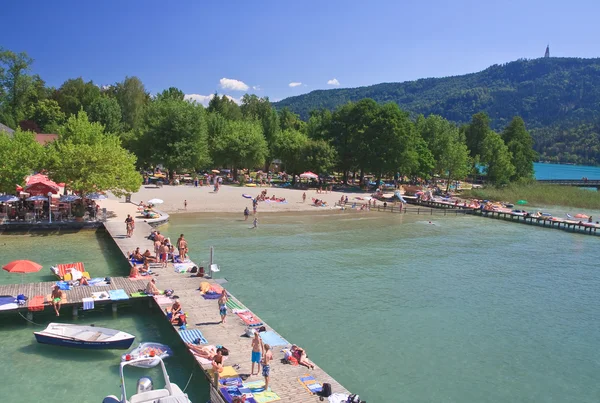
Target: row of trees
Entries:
(364, 136)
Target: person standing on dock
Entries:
(257, 348)
(56, 296)
(129, 225)
(182, 247)
(223, 306)
(266, 366)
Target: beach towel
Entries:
(310, 383)
(117, 295)
(163, 300)
(211, 296)
(216, 289)
(97, 282)
(273, 339)
(228, 372)
(259, 393)
(88, 303)
(338, 398)
(63, 285)
(36, 303)
(232, 304)
(100, 296)
(140, 277)
(191, 335)
(230, 392)
(249, 319)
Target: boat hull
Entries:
(122, 344)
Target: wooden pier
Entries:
(203, 314)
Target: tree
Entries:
(75, 94)
(225, 106)
(253, 107)
(47, 115)
(88, 160)
(239, 144)
(497, 159)
(107, 112)
(132, 98)
(171, 93)
(520, 145)
(20, 155)
(289, 120)
(15, 86)
(318, 156)
(476, 132)
(290, 147)
(454, 163)
(318, 124)
(175, 135)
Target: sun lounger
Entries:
(249, 319)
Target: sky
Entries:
(285, 48)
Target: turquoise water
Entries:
(94, 248)
(397, 309)
(33, 372)
(560, 171)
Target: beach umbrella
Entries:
(522, 202)
(8, 199)
(216, 171)
(69, 198)
(95, 196)
(22, 266)
(155, 201)
(37, 198)
(309, 175)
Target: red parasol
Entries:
(22, 266)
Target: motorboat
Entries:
(151, 352)
(87, 337)
(145, 392)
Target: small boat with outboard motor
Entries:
(84, 336)
(150, 351)
(145, 392)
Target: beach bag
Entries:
(194, 270)
(168, 293)
(250, 332)
(107, 280)
(326, 392)
(353, 399)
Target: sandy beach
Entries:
(229, 199)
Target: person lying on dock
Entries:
(137, 255)
(300, 355)
(208, 352)
(145, 269)
(83, 281)
(134, 272)
(148, 257)
(151, 288)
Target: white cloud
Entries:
(256, 87)
(231, 84)
(236, 100)
(294, 84)
(333, 81)
(201, 99)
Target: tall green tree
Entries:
(171, 93)
(20, 155)
(106, 110)
(497, 159)
(15, 86)
(88, 160)
(240, 144)
(225, 106)
(47, 115)
(454, 163)
(318, 156)
(260, 109)
(318, 124)
(175, 135)
(290, 146)
(290, 120)
(133, 98)
(476, 133)
(520, 145)
(76, 94)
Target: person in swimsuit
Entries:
(134, 272)
(300, 355)
(129, 225)
(83, 281)
(266, 366)
(246, 213)
(56, 299)
(223, 306)
(151, 288)
(255, 223)
(217, 366)
(257, 347)
(182, 247)
(148, 258)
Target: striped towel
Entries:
(231, 304)
(88, 303)
(116, 295)
(190, 336)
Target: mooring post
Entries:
(114, 308)
(75, 312)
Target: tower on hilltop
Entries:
(547, 54)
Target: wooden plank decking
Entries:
(204, 315)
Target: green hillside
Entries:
(552, 95)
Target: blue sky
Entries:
(264, 46)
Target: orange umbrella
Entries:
(22, 266)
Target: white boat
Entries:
(87, 337)
(151, 352)
(145, 392)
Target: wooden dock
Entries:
(204, 315)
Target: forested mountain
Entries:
(558, 98)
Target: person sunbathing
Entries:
(174, 312)
(137, 255)
(144, 269)
(134, 272)
(83, 281)
(148, 258)
(151, 288)
(300, 355)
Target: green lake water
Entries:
(462, 310)
(95, 249)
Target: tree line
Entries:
(114, 129)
